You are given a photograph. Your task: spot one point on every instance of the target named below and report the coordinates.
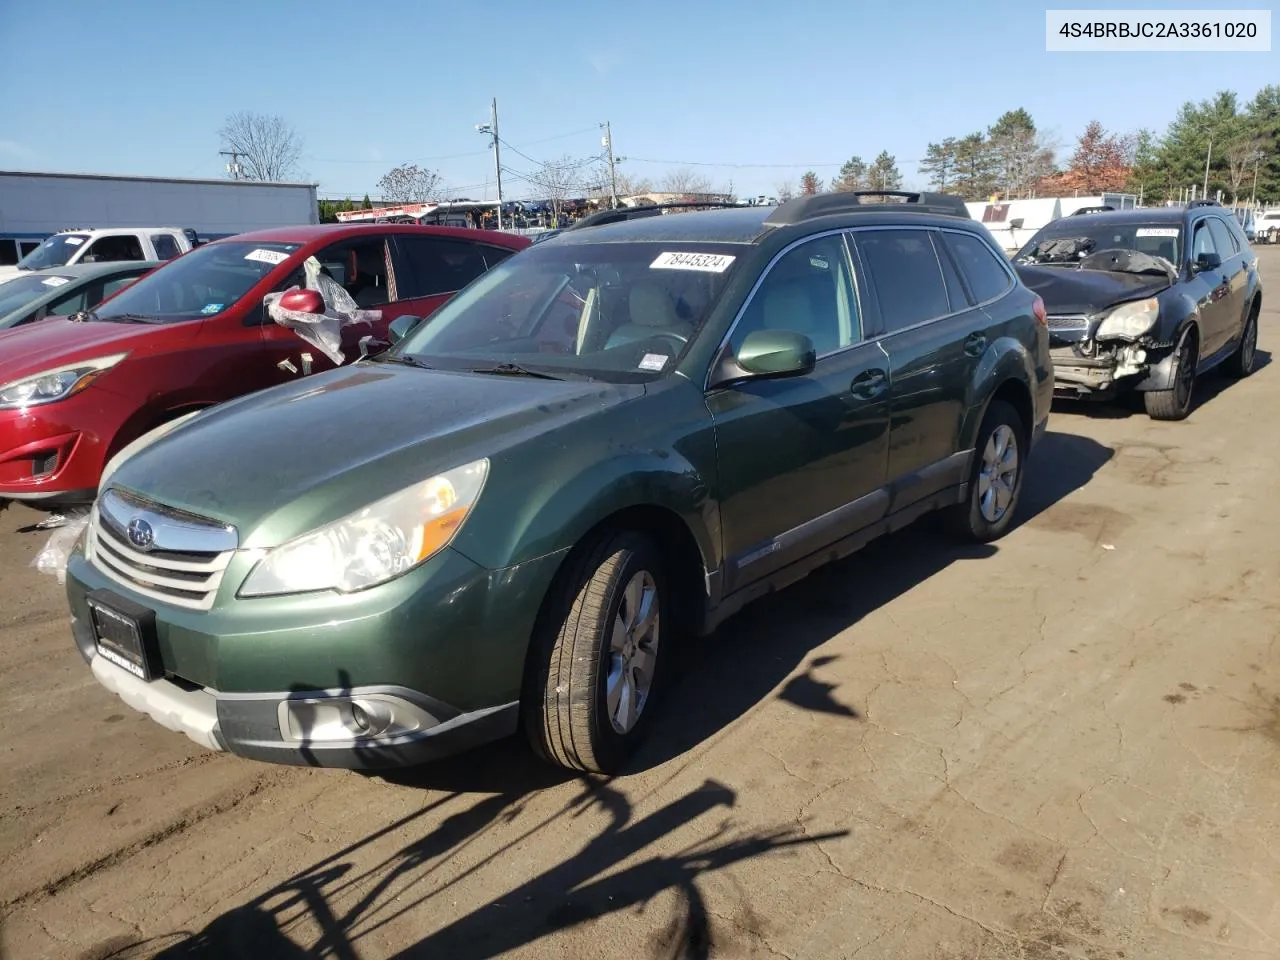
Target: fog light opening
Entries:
(348, 719)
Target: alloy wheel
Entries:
(633, 652)
(998, 476)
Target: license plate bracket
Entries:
(124, 633)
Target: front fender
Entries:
(1007, 358)
(553, 513)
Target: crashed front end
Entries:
(1096, 355)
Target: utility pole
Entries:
(233, 167)
(491, 128)
(1207, 156)
(1253, 198)
(613, 173)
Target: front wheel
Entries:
(995, 480)
(595, 668)
(1175, 403)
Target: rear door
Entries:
(802, 460)
(935, 335)
(435, 268)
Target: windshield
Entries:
(20, 291)
(54, 252)
(620, 312)
(1048, 247)
(202, 283)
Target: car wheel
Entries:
(1240, 364)
(1175, 403)
(995, 480)
(590, 691)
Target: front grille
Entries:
(1069, 323)
(183, 577)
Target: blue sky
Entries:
(143, 86)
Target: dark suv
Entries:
(621, 435)
(1146, 300)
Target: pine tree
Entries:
(853, 176)
(809, 184)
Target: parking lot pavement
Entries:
(1066, 744)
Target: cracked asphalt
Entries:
(1064, 745)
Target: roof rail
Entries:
(649, 210)
(1085, 210)
(822, 204)
(1203, 202)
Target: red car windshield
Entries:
(203, 283)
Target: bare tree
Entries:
(268, 146)
(409, 183)
(685, 181)
(556, 181)
(786, 190)
(1240, 154)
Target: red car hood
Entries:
(56, 342)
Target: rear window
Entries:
(987, 276)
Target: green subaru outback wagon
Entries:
(612, 441)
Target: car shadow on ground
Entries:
(1129, 404)
(355, 891)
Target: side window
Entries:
(495, 255)
(907, 278)
(110, 249)
(960, 300)
(1222, 238)
(115, 286)
(1202, 241)
(441, 266)
(166, 246)
(809, 291)
(71, 303)
(361, 268)
(986, 275)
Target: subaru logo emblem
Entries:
(140, 533)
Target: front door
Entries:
(935, 338)
(802, 460)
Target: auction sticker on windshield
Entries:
(56, 281)
(653, 361)
(74, 241)
(267, 256)
(1157, 232)
(705, 262)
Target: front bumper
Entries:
(54, 453)
(275, 679)
(1101, 369)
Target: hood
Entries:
(56, 342)
(1068, 290)
(286, 460)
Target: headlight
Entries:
(376, 544)
(1129, 320)
(57, 384)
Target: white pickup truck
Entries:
(104, 246)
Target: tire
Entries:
(1241, 363)
(576, 686)
(986, 513)
(1175, 403)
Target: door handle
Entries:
(868, 384)
(974, 344)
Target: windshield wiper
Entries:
(515, 370)
(406, 359)
(124, 318)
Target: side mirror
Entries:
(302, 301)
(1016, 224)
(768, 354)
(401, 327)
(1207, 261)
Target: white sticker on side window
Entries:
(56, 281)
(74, 241)
(653, 361)
(705, 262)
(1157, 232)
(267, 256)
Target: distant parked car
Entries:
(1266, 227)
(69, 247)
(1146, 300)
(195, 333)
(64, 291)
